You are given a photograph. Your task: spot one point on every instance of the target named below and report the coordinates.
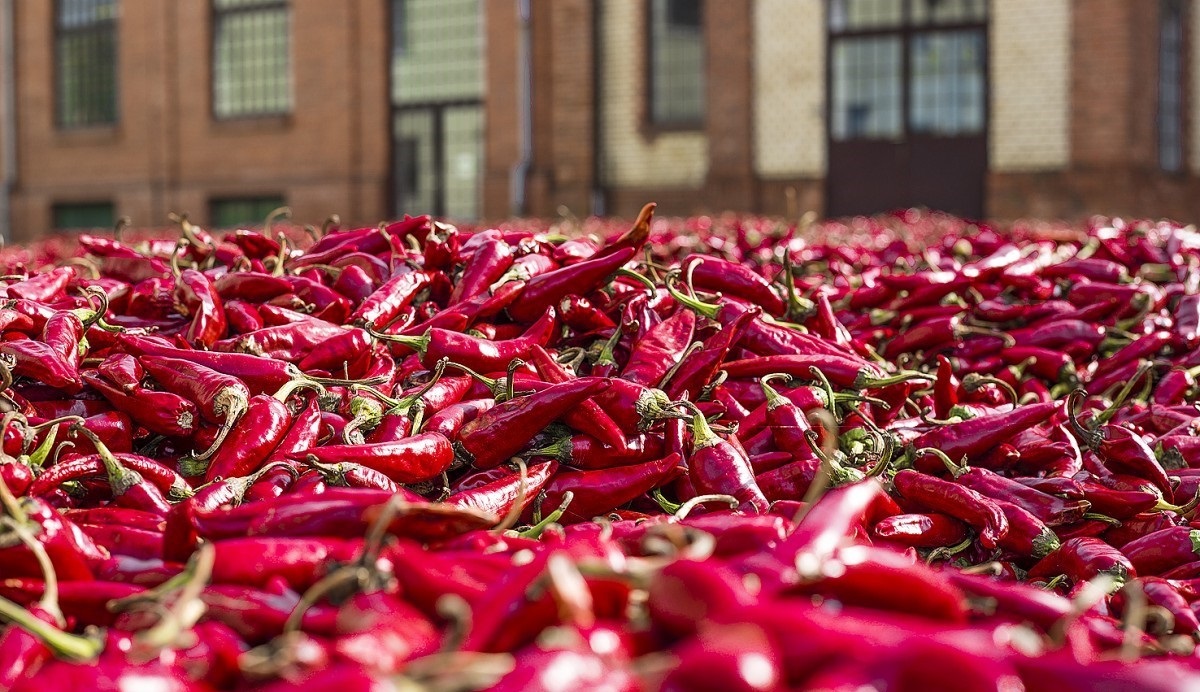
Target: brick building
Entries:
(485, 108)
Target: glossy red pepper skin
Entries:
(1162, 550)
(264, 426)
(41, 362)
(388, 300)
(502, 431)
(716, 467)
(409, 460)
(200, 301)
(600, 491)
(545, 290)
(1054, 511)
(721, 276)
(260, 375)
(1081, 559)
(698, 368)
(972, 437)
(160, 412)
(660, 348)
(959, 502)
(920, 530)
(499, 496)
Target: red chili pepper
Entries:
(545, 290)
(959, 502)
(488, 263)
(389, 299)
(220, 398)
(499, 496)
(920, 530)
(196, 297)
(478, 354)
(497, 434)
(410, 460)
(163, 413)
(261, 375)
(1082, 559)
(1162, 550)
(587, 453)
(654, 354)
(972, 437)
(599, 491)
(721, 276)
(264, 426)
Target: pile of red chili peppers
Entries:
(683, 455)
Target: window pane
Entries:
(946, 89)
(86, 63)
(251, 75)
(677, 62)
(848, 15)
(948, 11)
(437, 51)
(866, 88)
(463, 161)
(243, 211)
(82, 216)
(1170, 85)
(416, 178)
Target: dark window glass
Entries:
(676, 62)
(948, 11)
(1170, 85)
(399, 27)
(251, 55)
(851, 15)
(82, 216)
(235, 212)
(85, 54)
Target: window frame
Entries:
(97, 28)
(216, 14)
(650, 123)
(906, 31)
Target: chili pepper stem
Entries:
(954, 468)
(1108, 413)
(865, 381)
(699, 307)
(975, 381)
(120, 479)
(66, 646)
(234, 407)
(536, 530)
(1089, 437)
(37, 458)
(187, 608)
(682, 511)
(948, 551)
(420, 344)
(662, 501)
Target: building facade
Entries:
(475, 109)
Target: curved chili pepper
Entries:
(478, 354)
(1081, 559)
(973, 437)
(1158, 552)
(499, 496)
(350, 475)
(199, 300)
(715, 467)
(654, 354)
(220, 398)
(587, 453)
(545, 290)
(599, 491)
(164, 413)
(984, 515)
(410, 460)
(264, 426)
(388, 300)
(497, 434)
(920, 530)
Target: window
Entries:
(676, 61)
(234, 212)
(85, 62)
(80, 216)
(251, 73)
(907, 67)
(1170, 85)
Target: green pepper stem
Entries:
(64, 645)
(420, 344)
(235, 406)
(536, 530)
(696, 305)
(120, 479)
(1119, 401)
(955, 469)
(682, 511)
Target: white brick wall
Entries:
(630, 158)
(789, 88)
(1030, 58)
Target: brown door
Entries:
(907, 101)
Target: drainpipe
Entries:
(518, 179)
(599, 199)
(8, 119)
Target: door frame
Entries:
(906, 31)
